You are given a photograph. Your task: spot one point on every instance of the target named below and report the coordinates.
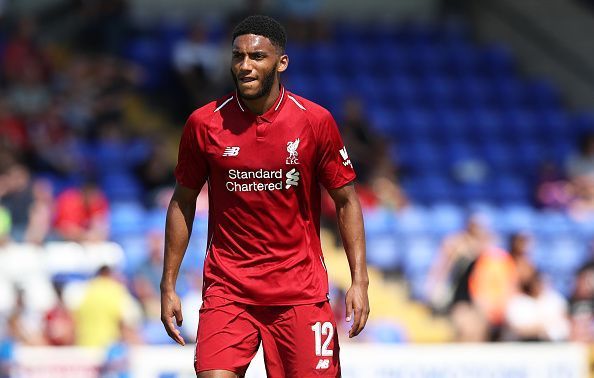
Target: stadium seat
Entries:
(127, 218)
(419, 252)
(446, 217)
(511, 189)
(561, 253)
(121, 186)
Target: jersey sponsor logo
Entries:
(293, 157)
(231, 151)
(292, 178)
(261, 180)
(345, 157)
(323, 364)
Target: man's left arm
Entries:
(350, 224)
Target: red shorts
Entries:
(298, 341)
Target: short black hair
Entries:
(265, 26)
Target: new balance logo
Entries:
(292, 178)
(231, 151)
(323, 364)
(345, 157)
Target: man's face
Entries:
(255, 64)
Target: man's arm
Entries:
(178, 228)
(350, 224)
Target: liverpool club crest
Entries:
(292, 150)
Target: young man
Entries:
(264, 153)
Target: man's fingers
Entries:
(363, 322)
(349, 310)
(173, 332)
(176, 335)
(353, 332)
(178, 317)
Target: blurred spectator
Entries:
(519, 250)
(448, 277)
(105, 306)
(56, 147)
(22, 52)
(192, 301)
(13, 133)
(104, 25)
(581, 305)
(580, 171)
(536, 313)
(492, 282)
(156, 172)
(28, 202)
(362, 143)
(82, 214)
(40, 212)
(377, 174)
(469, 323)
(59, 325)
(553, 191)
(582, 163)
(29, 96)
(117, 360)
(303, 21)
(7, 363)
(197, 62)
(23, 323)
(388, 194)
(147, 278)
(5, 226)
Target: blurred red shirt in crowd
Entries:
(82, 214)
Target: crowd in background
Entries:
(82, 130)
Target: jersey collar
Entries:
(272, 113)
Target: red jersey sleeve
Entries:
(192, 169)
(335, 168)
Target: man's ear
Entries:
(283, 63)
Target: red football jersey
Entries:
(264, 175)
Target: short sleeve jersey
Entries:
(264, 174)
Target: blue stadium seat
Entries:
(554, 126)
(521, 125)
(383, 250)
(420, 251)
(135, 251)
(497, 60)
(543, 94)
(121, 186)
(550, 222)
(127, 218)
(487, 125)
(446, 217)
(383, 120)
(451, 126)
(509, 92)
(561, 252)
(461, 58)
(475, 91)
(385, 332)
(517, 218)
(413, 220)
(498, 155)
(511, 189)
(152, 56)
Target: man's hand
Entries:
(357, 301)
(170, 309)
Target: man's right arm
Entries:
(178, 228)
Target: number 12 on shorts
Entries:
(323, 329)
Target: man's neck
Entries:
(261, 105)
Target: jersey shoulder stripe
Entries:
(223, 104)
(296, 102)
